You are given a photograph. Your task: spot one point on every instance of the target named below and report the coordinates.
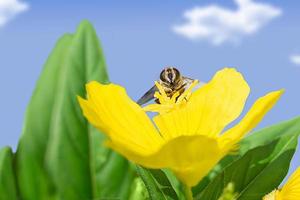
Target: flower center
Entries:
(168, 104)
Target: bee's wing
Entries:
(148, 96)
(188, 81)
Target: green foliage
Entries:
(60, 156)
(158, 185)
(8, 188)
(138, 190)
(33, 180)
(256, 173)
(73, 143)
(262, 137)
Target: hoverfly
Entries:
(171, 80)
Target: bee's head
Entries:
(170, 75)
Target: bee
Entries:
(172, 81)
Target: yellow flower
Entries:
(290, 191)
(188, 135)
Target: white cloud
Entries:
(218, 24)
(9, 9)
(295, 59)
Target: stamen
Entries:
(174, 97)
(169, 103)
(161, 90)
(187, 93)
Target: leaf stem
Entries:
(187, 192)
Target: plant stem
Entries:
(188, 192)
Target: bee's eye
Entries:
(170, 75)
(162, 76)
(176, 74)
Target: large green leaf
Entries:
(269, 134)
(60, 156)
(33, 179)
(257, 138)
(257, 173)
(80, 166)
(8, 188)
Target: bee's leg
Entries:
(183, 98)
(157, 101)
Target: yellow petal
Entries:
(291, 190)
(111, 110)
(251, 119)
(209, 109)
(190, 157)
(89, 112)
(219, 102)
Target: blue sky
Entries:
(138, 40)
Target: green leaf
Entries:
(80, 166)
(139, 191)
(157, 184)
(60, 155)
(257, 173)
(164, 183)
(257, 138)
(115, 177)
(8, 188)
(33, 180)
(269, 134)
